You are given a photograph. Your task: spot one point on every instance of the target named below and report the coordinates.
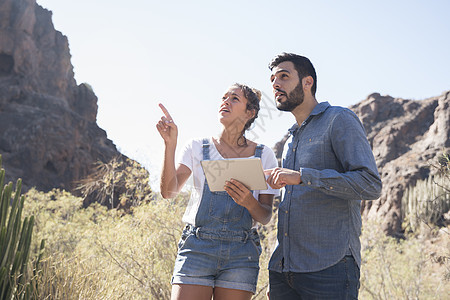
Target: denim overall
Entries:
(222, 249)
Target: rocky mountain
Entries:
(406, 136)
(48, 131)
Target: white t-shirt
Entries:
(191, 158)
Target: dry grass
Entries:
(96, 253)
(413, 268)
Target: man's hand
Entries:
(280, 177)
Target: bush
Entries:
(96, 253)
(403, 269)
(99, 253)
(120, 183)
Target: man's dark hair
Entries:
(302, 65)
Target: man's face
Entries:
(287, 87)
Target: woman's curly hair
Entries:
(253, 98)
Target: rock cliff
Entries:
(48, 131)
(406, 136)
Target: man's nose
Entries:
(275, 84)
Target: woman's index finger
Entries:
(165, 111)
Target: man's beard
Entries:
(294, 99)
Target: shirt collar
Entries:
(293, 129)
(318, 109)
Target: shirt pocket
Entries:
(311, 152)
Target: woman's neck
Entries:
(230, 138)
(229, 146)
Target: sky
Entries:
(185, 54)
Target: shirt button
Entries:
(331, 187)
(293, 149)
(286, 211)
(309, 182)
(289, 192)
(285, 234)
(310, 140)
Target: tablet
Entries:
(248, 171)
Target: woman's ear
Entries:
(251, 113)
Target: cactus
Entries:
(15, 241)
(426, 202)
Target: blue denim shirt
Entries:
(319, 220)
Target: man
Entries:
(328, 168)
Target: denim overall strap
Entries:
(258, 150)
(218, 212)
(205, 149)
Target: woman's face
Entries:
(233, 108)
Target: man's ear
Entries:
(307, 82)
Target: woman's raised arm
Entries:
(172, 180)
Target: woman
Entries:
(219, 249)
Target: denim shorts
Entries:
(210, 258)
